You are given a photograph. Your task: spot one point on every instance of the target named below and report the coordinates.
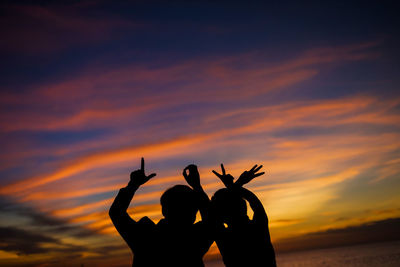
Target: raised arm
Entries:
(118, 210)
(260, 216)
(192, 177)
(260, 219)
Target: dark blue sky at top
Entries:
(169, 32)
(163, 33)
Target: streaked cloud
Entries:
(88, 90)
(376, 231)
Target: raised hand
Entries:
(227, 179)
(192, 176)
(138, 177)
(247, 176)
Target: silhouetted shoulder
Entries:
(139, 236)
(146, 221)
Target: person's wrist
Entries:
(235, 186)
(197, 188)
(228, 185)
(132, 185)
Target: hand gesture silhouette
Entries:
(227, 179)
(247, 176)
(138, 177)
(192, 176)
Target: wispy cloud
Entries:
(84, 102)
(43, 29)
(310, 146)
(376, 231)
(89, 88)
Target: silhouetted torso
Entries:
(161, 244)
(247, 244)
(184, 246)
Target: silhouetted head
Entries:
(229, 207)
(179, 205)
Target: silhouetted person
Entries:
(174, 240)
(241, 241)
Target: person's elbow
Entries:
(113, 212)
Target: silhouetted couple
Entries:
(177, 241)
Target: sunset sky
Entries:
(311, 91)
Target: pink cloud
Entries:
(102, 96)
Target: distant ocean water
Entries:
(371, 255)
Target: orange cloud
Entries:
(305, 169)
(334, 112)
(104, 159)
(82, 102)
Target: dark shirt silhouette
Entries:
(174, 240)
(241, 241)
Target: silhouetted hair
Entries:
(179, 204)
(228, 204)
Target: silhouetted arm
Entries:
(260, 220)
(227, 180)
(192, 177)
(260, 216)
(118, 210)
(204, 204)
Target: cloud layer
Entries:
(89, 89)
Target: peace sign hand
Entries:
(247, 176)
(227, 179)
(138, 177)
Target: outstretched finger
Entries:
(258, 174)
(151, 176)
(252, 169)
(184, 172)
(217, 174)
(258, 168)
(223, 169)
(142, 165)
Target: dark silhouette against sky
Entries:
(310, 89)
(175, 240)
(241, 241)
